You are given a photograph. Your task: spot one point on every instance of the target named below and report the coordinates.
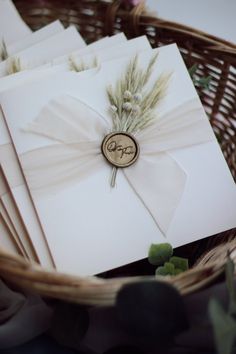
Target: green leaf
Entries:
(159, 253)
(162, 271)
(169, 266)
(168, 269)
(204, 82)
(224, 328)
(177, 271)
(229, 272)
(192, 70)
(179, 263)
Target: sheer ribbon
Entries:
(76, 132)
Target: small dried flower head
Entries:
(136, 109)
(113, 108)
(137, 97)
(127, 106)
(127, 95)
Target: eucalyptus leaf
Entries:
(159, 253)
(169, 266)
(162, 271)
(204, 82)
(179, 263)
(224, 328)
(177, 271)
(167, 269)
(192, 71)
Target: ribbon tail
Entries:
(159, 182)
(52, 168)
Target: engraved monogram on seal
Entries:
(120, 149)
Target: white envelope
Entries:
(101, 45)
(12, 170)
(36, 37)
(13, 219)
(43, 52)
(7, 243)
(88, 55)
(90, 227)
(12, 27)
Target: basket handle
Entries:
(110, 18)
(133, 12)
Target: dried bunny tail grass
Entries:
(3, 51)
(13, 65)
(81, 66)
(133, 107)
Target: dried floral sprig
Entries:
(81, 66)
(14, 65)
(132, 105)
(3, 51)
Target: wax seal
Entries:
(120, 149)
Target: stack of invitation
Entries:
(104, 149)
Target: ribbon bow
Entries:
(76, 132)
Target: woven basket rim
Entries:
(218, 42)
(96, 291)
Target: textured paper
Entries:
(8, 160)
(36, 37)
(9, 236)
(62, 43)
(7, 243)
(95, 48)
(12, 27)
(88, 55)
(112, 227)
(15, 220)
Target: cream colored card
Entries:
(6, 241)
(6, 221)
(93, 48)
(12, 27)
(89, 57)
(62, 43)
(8, 161)
(91, 227)
(36, 37)
(14, 219)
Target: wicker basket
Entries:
(217, 58)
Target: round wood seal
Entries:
(120, 149)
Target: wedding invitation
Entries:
(89, 57)
(98, 212)
(36, 37)
(7, 242)
(59, 44)
(12, 27)
(11, 170)
(13, 218)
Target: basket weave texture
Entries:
(217, 58)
